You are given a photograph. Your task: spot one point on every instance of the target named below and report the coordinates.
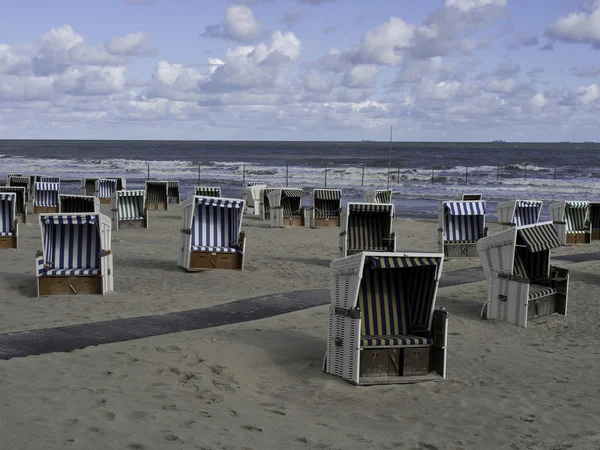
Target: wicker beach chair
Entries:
(45, 197)
(518, 213)
(379, 196)
(522, 283)
(88, 186)
(21, 202)
(22, 182)
(9, 225)
(326, 207)
(468, 197)
(594, 217)
(265, 205)
(69, 204)
(461, 225)
(286, 207)
(105, 188)
(128, 210)
(9, 175)
(76, 257)
(157, 195)
(251, 196)
(211, 237)
(383, 326)
(208, 191)
(571, 222)
(367, 227)
(173, 191)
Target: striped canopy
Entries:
(292, 192)
(8, 196)
(528, 204)
(49, 179)
(398, 262)
(208, 191)
(81, 219)
(328, 194)
(130, 205)
(540, 237)
(17, 180)
(466, 208)
(370, 207)
(71, 241)
(383, 196)
(223, 203)
(577, 204)
(138, 193)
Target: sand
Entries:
(259, 385)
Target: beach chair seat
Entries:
(72, 272)
(395, 341)
(201, 248)
(537, 291)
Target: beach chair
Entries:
(21, 205)
(88, 186)
(105, 188)
(326, 205)
(468, 197)
(522, 284)
(379, 196)
(157, 195)
(252, 197)
(461, 225)
(9, 226)
(78, 204)
(211, 237)
(45, 197)
(571, 222)
(594, 217)
(265, 206)
(9, 175)
(76, 257)
(17, 181)
(367, 227)
(173, 191)
(286, 207)
(208, 191)
(383, 325)
(128, 210)
(518, 213)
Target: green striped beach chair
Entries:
(571, 222)
(522, 283)
(21, 202)
(208, 191)
(379, 196)
(128, 210)
(367, 227)
(383, 325)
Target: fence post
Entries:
(466, 175)
(525, 172)
(325, 177)
(286, 174)
(398, 177)
(498, 174)
(432, 174)
(243, 174)
(198, 174)
(362, 179)
(555, 173)
(148, 171)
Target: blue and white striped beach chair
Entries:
(157, 195)
(211, 237)
(383, 326)
(78, 204)
(105, 188)
(367, 227)
(76, 256)
(9, 227)
(326, 207)
(461, 225)
(518, 213)
(21, 205)
(45, 197)
(128, 210)
(571, 222)
(522, 283)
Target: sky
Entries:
(433, 70)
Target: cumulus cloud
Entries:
(582, 27)
(466, 5)
(239, 26)
(133, 44)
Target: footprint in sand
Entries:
(68, 442)
(171, 437)
(252, 428)
(135, 446)
(137, 415)
(109, 415)
(71, 422)
(528, 418)
(232, 412)
(276, 411)
(94, 429)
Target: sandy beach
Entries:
(259, 384)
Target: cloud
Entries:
(578, 27)
(466, 5)
(535, 71)
(294, 17)
(580, 71)
(538, 100)
(547, 48)
(133, 44)
(506, 70)
(240, 24)
(521, 40)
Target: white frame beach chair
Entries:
(326, 208)
(75, 204)
(129, 210)
(20, 181)
(105, 188)
(286, 207)
(461, 225)
(367, 227)
(173, 191)
(45, 197)
(76, 256)
(207, 191)
(156, 194)
(518, 213)
(383, 325)
(265, 206)
(212, 237)
(522, 283)
(88, 186)
(468, 197)
(9, 175)
(571, 222)
(379, 196)
(594, 217)
(251, 196)
(21, 202)
(9, 225)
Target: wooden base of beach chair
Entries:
(45, 209)
(157, 206)
(595, 235)
(68, 285)
(208, 260)
(129, 224)
(293, 222)
(332, 222)
(105, 201)
(578, 238)
(541, 307)
(460, 250)
(173, 200)
(8, 242)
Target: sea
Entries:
(421, 174)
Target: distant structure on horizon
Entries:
(499, 141)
